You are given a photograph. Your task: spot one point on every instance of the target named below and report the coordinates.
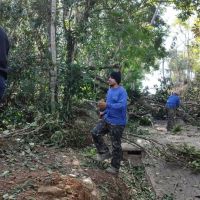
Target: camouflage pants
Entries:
(171, 117)
(2, 86)
(115, 132)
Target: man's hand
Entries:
(102, 104)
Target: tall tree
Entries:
(53, 70)
(59, 47)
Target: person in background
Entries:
(4, 49)
(113, 121)
(173, 102)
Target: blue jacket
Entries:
(4, 48)
(116, 101)
(173, 101)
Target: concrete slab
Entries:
(170, 178)
(132, 153)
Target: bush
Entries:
(176, 129)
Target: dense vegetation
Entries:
(62, 52)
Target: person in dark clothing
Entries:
(4, 49)
(173, 102)
(113, 121)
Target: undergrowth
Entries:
(48, 129)
(188, 155)
(133, 177)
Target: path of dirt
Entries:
(169, 179)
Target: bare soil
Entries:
(35, 172)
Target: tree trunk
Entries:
(53, 70)
(78, 18)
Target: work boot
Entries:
(112, 170)
(104, 156)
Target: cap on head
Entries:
(116, 76)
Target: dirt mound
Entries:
(67, 188)
(43, 186)
(117, 188)
(45, 173)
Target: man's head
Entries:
(114, 79)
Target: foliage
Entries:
(192, 94)
(59, 133)
(178, 66)
(88, 45)
(187, 154)
(16, 117)
(167, 197)
(176, 129)
(195, 50)
(92, 38)
(89, 151)
(161, 95)
(127, 46)
(188, 8)
(146, 121)
(50, 130)
(135, 179)
(134, 127)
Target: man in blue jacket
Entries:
(172, 104)
(4, 48)
(113, 121)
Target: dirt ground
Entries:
(169, 179)
(34, 172)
